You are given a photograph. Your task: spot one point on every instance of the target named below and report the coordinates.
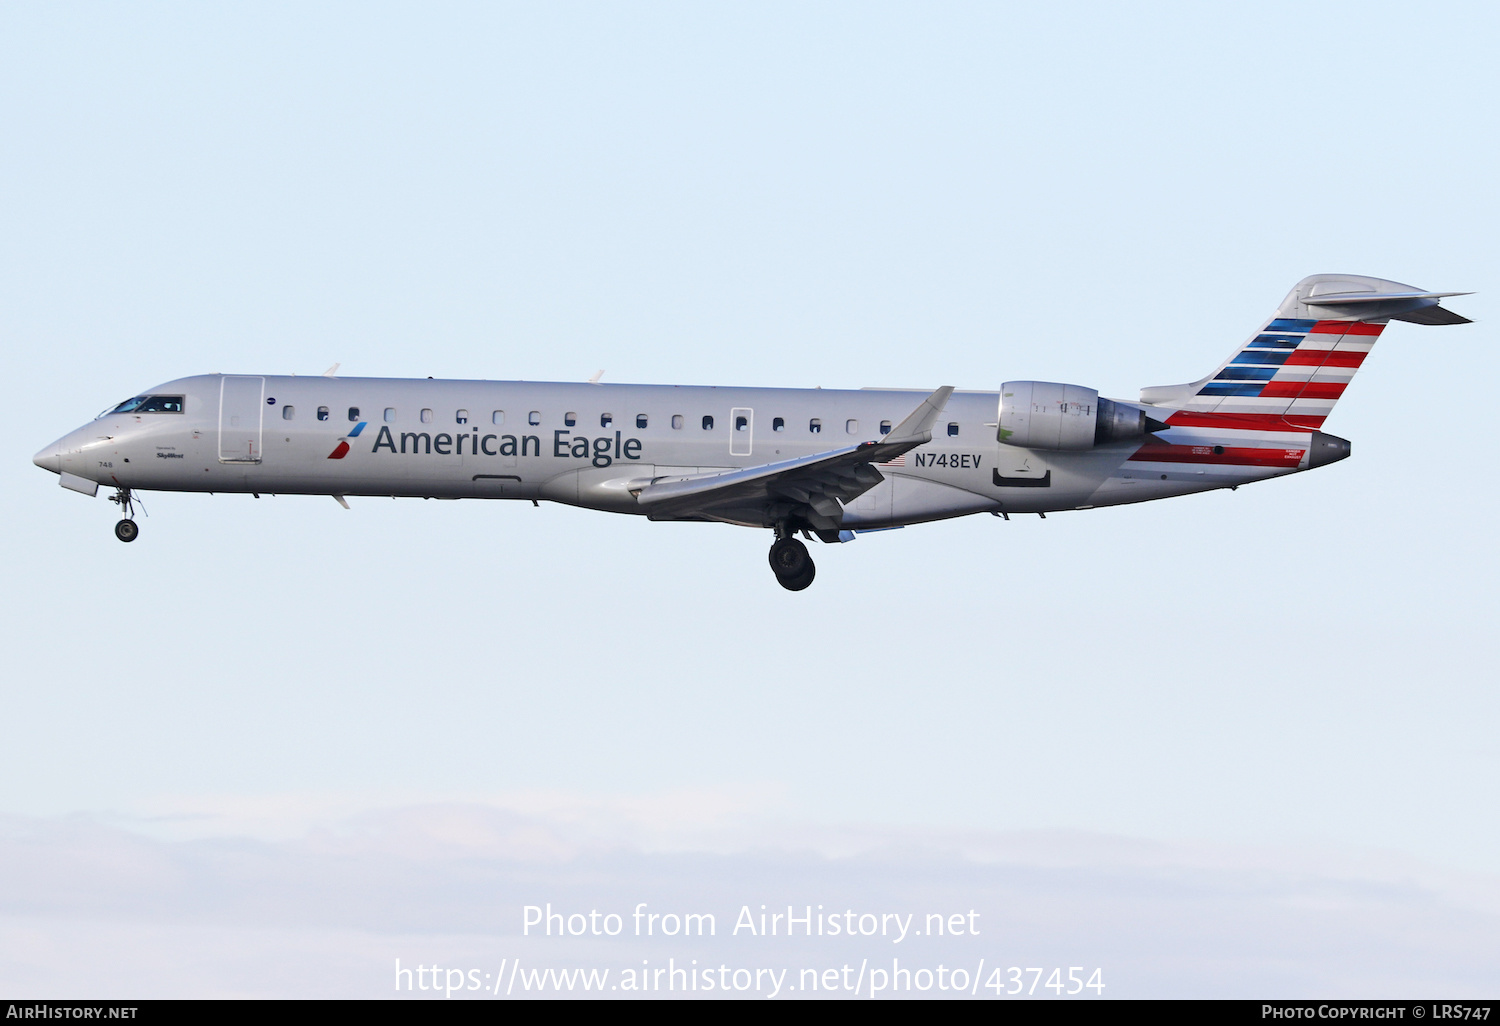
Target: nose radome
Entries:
(50, 458)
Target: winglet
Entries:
(917, 428)
(598, 375)
(332, 372)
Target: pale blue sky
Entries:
(830, 194)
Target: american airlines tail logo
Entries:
(342, 449)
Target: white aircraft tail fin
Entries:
(1292, 372)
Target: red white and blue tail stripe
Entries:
(1286, 378)
(1262, 411)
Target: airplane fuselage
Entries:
(591, 444)
(812, 462)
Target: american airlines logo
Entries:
(342, 449)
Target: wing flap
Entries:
(809, 488)
(727, 482)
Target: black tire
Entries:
(127, 531)
(789, 558)
(801, 581)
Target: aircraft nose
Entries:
(50, 458)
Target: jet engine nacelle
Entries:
(1051, 415)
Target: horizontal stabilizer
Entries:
(1412, 305)
(1432, 315)
(1341, 298)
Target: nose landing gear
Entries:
(126, 530)
(791, 563)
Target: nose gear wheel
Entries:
(126, 530)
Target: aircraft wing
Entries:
(809, 489)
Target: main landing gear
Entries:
(126, 530)
(791, 563)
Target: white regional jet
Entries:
(818, 462)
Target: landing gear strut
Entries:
(791, 563)
(126, 530)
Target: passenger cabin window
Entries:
(498, 417)
(815, 425)
(741, 423)
(676, 422)
(708, 423)
(606, 419)
(851, 426)
(426, 416)
(461, 417)
(534, 418)
(353, 414)
(288, 412)
(885, 427)
(390, 415)
(640, 420)
(953, 428)
(322, 413)
(570, 419)
(778, 424)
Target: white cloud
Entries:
(319, 895)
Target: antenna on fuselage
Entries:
(595, 379)
(332, 372)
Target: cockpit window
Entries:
(149, 404)
(129, 405)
